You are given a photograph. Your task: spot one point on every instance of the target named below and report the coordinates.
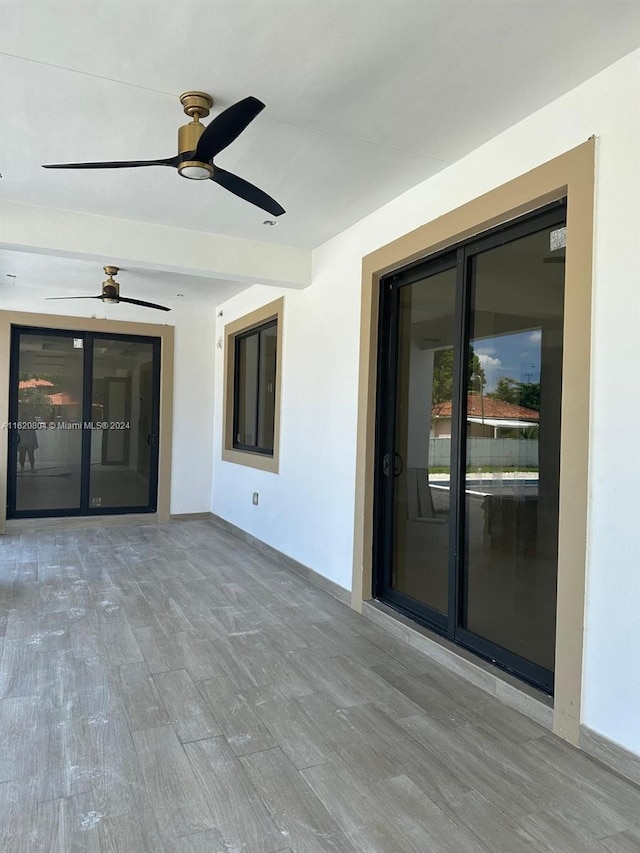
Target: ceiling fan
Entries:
(111, 293)
(198, 145)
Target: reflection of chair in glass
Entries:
(511, 522)
(419, 498)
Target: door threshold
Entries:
(533, 703)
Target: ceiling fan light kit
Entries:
(198, 145)
(195, 171)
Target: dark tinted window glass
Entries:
(422, 459)
(254, 402)
(123, 402)
(512, 426)
(50, 374)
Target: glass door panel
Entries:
(84, 412)
(513, 446)
(468, 442)
(46, 441)
(124, 433)
(421, 462)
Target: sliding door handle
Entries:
(398, 464)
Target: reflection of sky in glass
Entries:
(516, 355)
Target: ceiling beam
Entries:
(70, 234)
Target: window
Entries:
(255, 389)
(252, 375)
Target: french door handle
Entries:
(398, 464)
(152, 439)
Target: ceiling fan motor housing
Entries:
(196, 105)
(110, 287)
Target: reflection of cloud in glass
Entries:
(492, 368)
(515, 355)
(487, 360)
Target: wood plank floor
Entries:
(168, 689)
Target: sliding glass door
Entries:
(45, 441)
(468, 442)
(122, 397)
(84, 418)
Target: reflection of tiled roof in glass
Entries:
(57, 398)
(488, 407)
(35, 383)
(62, 399)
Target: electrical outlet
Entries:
(256, 498)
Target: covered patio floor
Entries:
(170, 689)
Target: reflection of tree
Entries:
(443, 374)
(35, 402)
(530, 432)
(525, 394)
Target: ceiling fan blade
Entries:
(73, 297)
(144, 304)
(116, 164)
(226, 127)
(240, 187)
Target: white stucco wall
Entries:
(307, 510)
(193, 382)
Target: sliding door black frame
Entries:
(12, 463)
(153, 438)
(387, 462)
(83, 509)
(450, 625)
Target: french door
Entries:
(84, 422)
(468, 442)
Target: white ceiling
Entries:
(365, 98)
(38, 277)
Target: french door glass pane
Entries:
(49, 448)
(514, 378)
(422, 463)
(122, 433)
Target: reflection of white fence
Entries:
(485, 452)
(60, 448)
